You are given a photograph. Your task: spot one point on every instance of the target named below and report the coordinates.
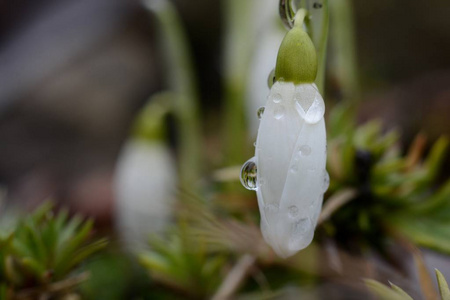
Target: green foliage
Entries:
(443, 286)
(42, 250)
(395, 193)
(383, 292)
(184, 265)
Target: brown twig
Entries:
(335, 202)
(235, 277)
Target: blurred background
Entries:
(75, 75)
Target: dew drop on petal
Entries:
(260, 112)
(300, 234)
(326, 181)
(271, 78)
(293, 211)
(304, 150)
(279, 112)
(276, 98)
(300, 227)
(294, 167)
(316, 111)
(271, 208)
(248, 174)
(261, 181)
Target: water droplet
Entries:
(276, 98)
(326, 181)
(260, 112)
(316, 111)
(317, 5)
(271, 78)
(301, 227)
(271, 208)
(301, 234)
(293, 211)
(304, 150)
(278, 112)
(294, 168)
(248, 174)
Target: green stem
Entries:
(319, 35)
(300, 17)
(149, 125)
(182, 80)
(239, 43)
(344, 63)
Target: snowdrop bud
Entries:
(297, 58)
(288, 170)
(290, 158)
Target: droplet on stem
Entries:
(271, 78)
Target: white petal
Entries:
(291, 158)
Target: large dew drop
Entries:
(248, 174)
(316, 111)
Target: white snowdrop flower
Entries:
(145, 188)
(288, 171)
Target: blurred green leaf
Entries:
(443, 286)
(383, 292)
(183, 264)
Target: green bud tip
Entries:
(297, 58)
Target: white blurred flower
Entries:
(270, 33)
(290, 157)
(145, 184)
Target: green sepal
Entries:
(297, 58)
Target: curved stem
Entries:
(300, 17)
(239, 43)
(344, 49)
(319, 35)
(182, 80)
